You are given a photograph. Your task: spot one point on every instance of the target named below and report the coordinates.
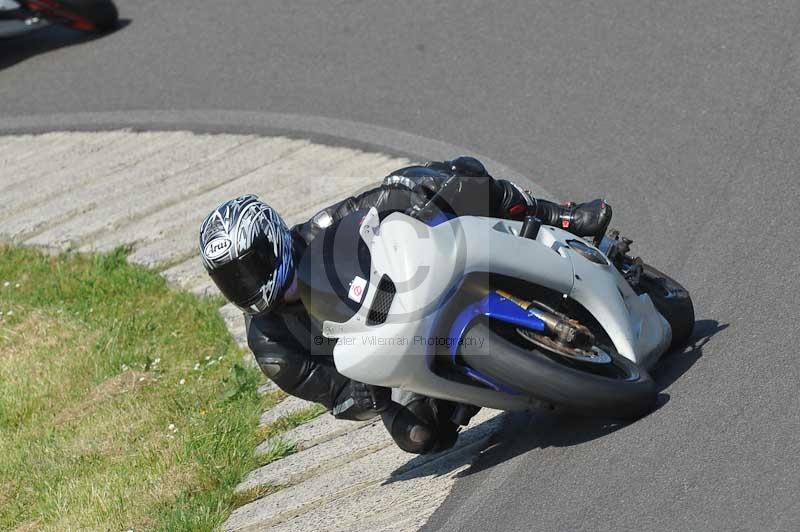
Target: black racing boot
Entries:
(582, 219)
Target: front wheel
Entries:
(96, 16)
(615, 387)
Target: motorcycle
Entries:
(20, 17)
(492, 312)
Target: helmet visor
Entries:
(241, 281)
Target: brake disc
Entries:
(594, 355)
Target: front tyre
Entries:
(619, 389)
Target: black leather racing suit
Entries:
(283, 340)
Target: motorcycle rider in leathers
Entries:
(251, 256)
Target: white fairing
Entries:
(427, 265)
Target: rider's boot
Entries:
(582, 219)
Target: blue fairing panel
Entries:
(439, 218)
(498, 308)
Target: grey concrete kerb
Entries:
(96, 190)
(317, 129)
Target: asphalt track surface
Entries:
(684, 115)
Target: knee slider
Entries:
(417, 428)
(409, 428)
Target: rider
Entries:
(251, 256)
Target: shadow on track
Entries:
(673, 365)
(521, 432)
(15, 50)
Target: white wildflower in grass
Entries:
(124, 367)
(6, 284)
(10, 313)
(172, 427)
(157, 360)
(16, 285)
(197, 367)
(219, 358)
(208, 358)
(141, 379)
(182, 381)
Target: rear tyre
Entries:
(618, 390)
(673, 302)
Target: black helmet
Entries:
(247, 250)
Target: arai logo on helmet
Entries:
(217, 248)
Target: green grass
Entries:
(123, 403)
(277, 448)
(249, 495)
(291, 420)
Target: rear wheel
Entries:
(672, 301)
(85, 15)
(603, 383)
